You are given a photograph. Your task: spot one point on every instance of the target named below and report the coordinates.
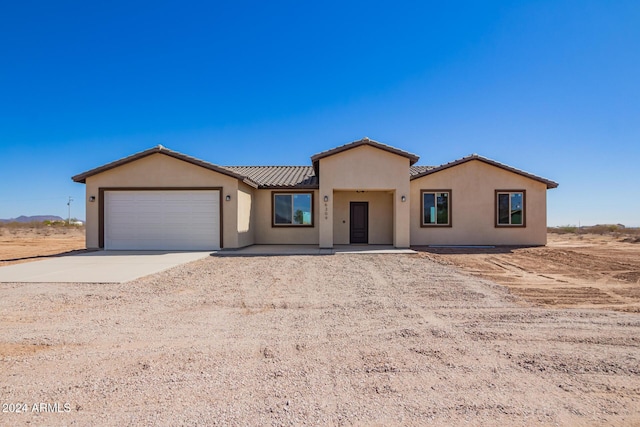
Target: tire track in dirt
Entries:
(323, 340)
(572, 271)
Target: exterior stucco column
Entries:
(402, 217)
(325, 222)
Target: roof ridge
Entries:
(82, 177)
(476, 156)
(413, 158)
(267, 166)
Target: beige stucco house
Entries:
(364, 192)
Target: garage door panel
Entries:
(162, 220)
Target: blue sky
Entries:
(551, 87)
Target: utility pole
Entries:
(69, 204)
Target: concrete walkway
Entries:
(279, 250)
(97, 267)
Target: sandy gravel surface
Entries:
(25, 244)
(316, 340)
(573, 270)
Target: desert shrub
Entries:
(604, 228)
(632, 231)
(23, 225)
(565, 229)
(601, 229)
(56, 224)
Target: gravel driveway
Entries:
(317, 340)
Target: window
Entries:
(510, 208)
(435, 208)
(292, 209)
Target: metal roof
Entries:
(278, 176)
(300, 176)
(415, 170)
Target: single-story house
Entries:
(364, 192)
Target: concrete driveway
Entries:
(97, 267)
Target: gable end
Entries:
(159, 149)
(550, 184)
(315, 159)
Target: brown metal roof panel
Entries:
(415, 170)
(279, 176)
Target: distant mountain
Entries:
(35, 218)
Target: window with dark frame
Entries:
(292, 209)
(510, 208)
(436, 208)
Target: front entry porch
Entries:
(363, 217)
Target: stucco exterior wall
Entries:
(380, 216)
(159, 170)
(363, 173)
(473, 186)
(266, 234)
(246, 215)
(364, 168)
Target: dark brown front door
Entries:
(359, 222)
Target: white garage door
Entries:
(162, 220)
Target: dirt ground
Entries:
(312, 340)
(578, 271)
(24, 244)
